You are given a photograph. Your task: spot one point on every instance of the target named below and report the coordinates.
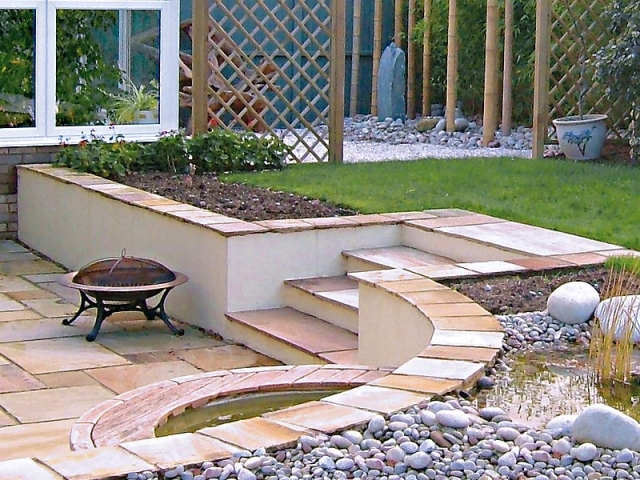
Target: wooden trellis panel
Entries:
(270, 66)
(576, 23)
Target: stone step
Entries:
(391, 257)
(291, 336)
(332, 299)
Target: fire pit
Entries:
(122, 284)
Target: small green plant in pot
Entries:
(617, 64)
(135, 103)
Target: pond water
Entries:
(238, 407)
(542, 385)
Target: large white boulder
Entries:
(573, 302)
(617, 312)
(607, 427)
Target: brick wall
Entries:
(9, 158)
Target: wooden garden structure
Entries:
(241, 74)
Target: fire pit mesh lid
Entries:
(123, 272)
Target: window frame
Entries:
(46, 132)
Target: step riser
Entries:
(359, 265)
(272, 347)
(456, 248)
(343, 317)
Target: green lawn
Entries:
(596, 201)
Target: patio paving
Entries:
(50, 375)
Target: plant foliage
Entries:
(617, 64)
(218, 151)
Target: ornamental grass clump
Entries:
(612, 338)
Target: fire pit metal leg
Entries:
(85, 304)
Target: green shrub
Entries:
(218, 151)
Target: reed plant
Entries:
(612, 338)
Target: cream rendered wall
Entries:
(392, 330)
(259, 263)
(74, 226)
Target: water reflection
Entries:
(542, 385)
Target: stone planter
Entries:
(581, 139)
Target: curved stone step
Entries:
(391, 257)
(291, 336)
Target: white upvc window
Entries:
(74, 86)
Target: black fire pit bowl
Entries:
(123, 284)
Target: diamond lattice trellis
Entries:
(576, 23)
(269, 66)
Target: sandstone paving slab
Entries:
(7, 304)
(127, 377)
(451, 369)
(34, 294)
(43, 277)
(6, 419)
(344, 357)
(53, 404)
(528, 239)
(66, 379)
(472, 322)
(582, 258)
(419, 284)
(373, 277)
(15, 379)
(43, 328)
(323, 284)
(461, 338)
(257, 432)
(4, 360)
(71, 295)
(434, 296)
(472, 354)
(52, 307)
(26, 314)
(492, 267)
(453, 221)
(451, 309)
(15, 256)
(29, 267)
(104, 462)
(35, 439)
(440, 272)
(321, 416)
(398, 257)
(377, 399)
(26, 469)
(151, 357)
(9, 246)
(15, 284)
(546, 263)
(423, 385)
(348, 297)
(59, 355)
(156, 338)
(225, 357)
(181, 449)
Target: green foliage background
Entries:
(471, 36)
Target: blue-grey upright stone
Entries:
(391, 84)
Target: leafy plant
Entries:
(617, 64)
(217, 151)
(132, 99)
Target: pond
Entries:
(545, 384)
(238, 407)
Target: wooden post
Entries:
(377, 52)
(411, 62)
(355, 57)
(200, 50)
(541, 77)
(507, 105)
(426, 61)
(398, 23)
(452, 66)
(336, 85)
(490, 116)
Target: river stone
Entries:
(376, 424)
(564, 423)
(625, 308)
(585, 452)
(461, 124)
(418, 460)
(507, 460)
(606, 427)
(507, 433)
(573, 302)
(426, 124)
(488, 413)
(428, 418)
(452, 418)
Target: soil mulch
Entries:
(498, 294)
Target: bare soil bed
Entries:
(498, 294)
